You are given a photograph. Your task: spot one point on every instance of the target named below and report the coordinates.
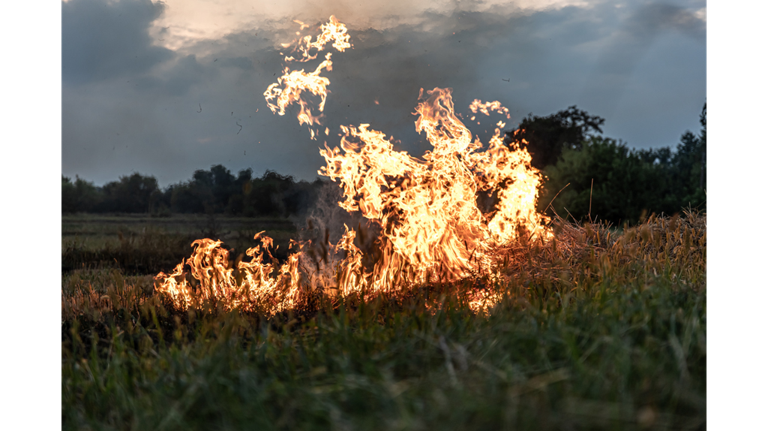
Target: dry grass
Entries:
(579, 255)
(598, 329)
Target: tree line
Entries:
(586, 175)
(209, 191)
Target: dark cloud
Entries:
(177, 80)
(631, 41)
(186, 113)
(243, 63)
(105, 40)
(649, 20)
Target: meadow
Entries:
(599, 329)
(141, 244)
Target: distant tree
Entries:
(267, 193)
(548, 136)
(79, 196)
(192, 197)
(240, 188)
(223, 186)
(703, 141)
(68, 196)
(130, 194)
(209, 191)
(301, 196)
(687, 162)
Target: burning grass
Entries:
(577, 256)
(456, 317)
(430, 228)
(142, 244)
(596, 329)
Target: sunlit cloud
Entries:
(188, 22)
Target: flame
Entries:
(267, 284)
(432, 228)
(427, 207)
(292, 85)
(486, 107)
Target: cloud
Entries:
(184, 111)
(188, 22)
(103, 40)
(651, 19)
(629, 43)
(175, 80)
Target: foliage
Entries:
(603, 178)
(131, 194)
(78, 196)
(209, 191)
(548, 136)
(624, 184)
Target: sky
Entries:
(166, 88)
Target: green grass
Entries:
(140, 244)
(594, 332)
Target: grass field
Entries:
(596, 330)
(139, 244)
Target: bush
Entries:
(605, 179)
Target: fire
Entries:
(486, 107)
(427, 208)
(432, 228)
(270, 285)
(290, 87)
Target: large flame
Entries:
(428, 208)
(432, 228)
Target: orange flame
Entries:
(209, 265)
(488, 106)
(432, 228)
(290, 87)
(428, 208)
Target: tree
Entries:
(68, 196)
(130, 194)
(78, 196)
(266, 195)
(223, 186)
(607, 180)
(703, 142)
(548, 136)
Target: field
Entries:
(139, 244)
(598, 329)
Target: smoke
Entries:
(323, 227)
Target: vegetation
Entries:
(594, 176)
(214, 191)
(595, 331)
(600, 328)
(606, 180)
(141, 244)
(591, 176)
(548, 136)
